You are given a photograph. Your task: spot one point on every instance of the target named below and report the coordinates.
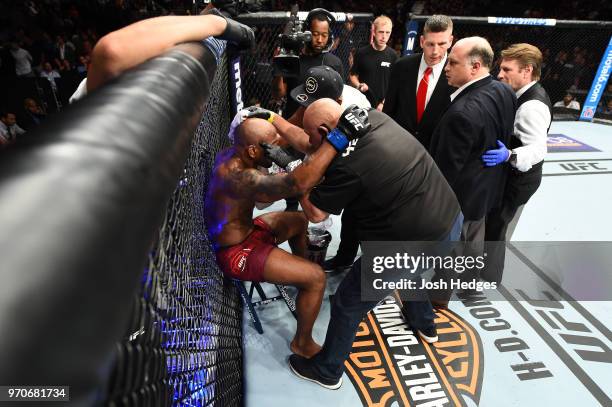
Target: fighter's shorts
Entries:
(246, 260)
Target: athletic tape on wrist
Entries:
(337, 139)
(292, 165)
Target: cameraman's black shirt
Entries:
(374, 67)
(390, 184)
(307, 62)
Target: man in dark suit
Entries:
(481, 113)
(418, 93)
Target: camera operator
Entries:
(315, 53)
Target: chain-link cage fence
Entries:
(256, 66)
(184, 342)
(572, 50)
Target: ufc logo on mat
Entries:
(351, 118)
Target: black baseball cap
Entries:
(321, 82)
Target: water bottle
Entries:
(318, 241)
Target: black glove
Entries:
(277, 154)
(236, 33)
(259, 113)
(354, 122)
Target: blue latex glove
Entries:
(495, 157)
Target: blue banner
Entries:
(599, 85)
(560, 143)
(235, 83)
(412, 29)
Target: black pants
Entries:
(520, 186)
(349, 243)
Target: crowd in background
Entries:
(48, 43)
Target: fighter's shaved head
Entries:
(323, 112)
(254, 131)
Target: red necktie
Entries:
(422, 94)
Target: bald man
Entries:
(395, 193)
(481, 112)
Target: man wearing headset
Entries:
(315, 53)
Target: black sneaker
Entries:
(301, 367)
(429, 335)
(331, 266)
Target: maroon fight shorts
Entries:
(246, 260)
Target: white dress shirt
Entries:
(461, 89)
(531, 127)
(10, 133)
(436, 73)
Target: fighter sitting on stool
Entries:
(246, 247)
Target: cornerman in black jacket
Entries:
(418, 92)
(395, 192)
(521, 69)
(481, 113)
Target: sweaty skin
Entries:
(237, 184)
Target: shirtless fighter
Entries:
(246, 247)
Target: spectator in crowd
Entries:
(64, 51)
(316, 52)
(559, 62)
(606, 108)
(46, 51)
(482, 112)
(7, 62)
(9, 129)
(66, 67)
(521, 69)
(83, 65)
(372, 64)
(418, 91)
(32, 115)
(50, 74)
(23, 61)
(568, 102)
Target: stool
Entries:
(247, 298)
